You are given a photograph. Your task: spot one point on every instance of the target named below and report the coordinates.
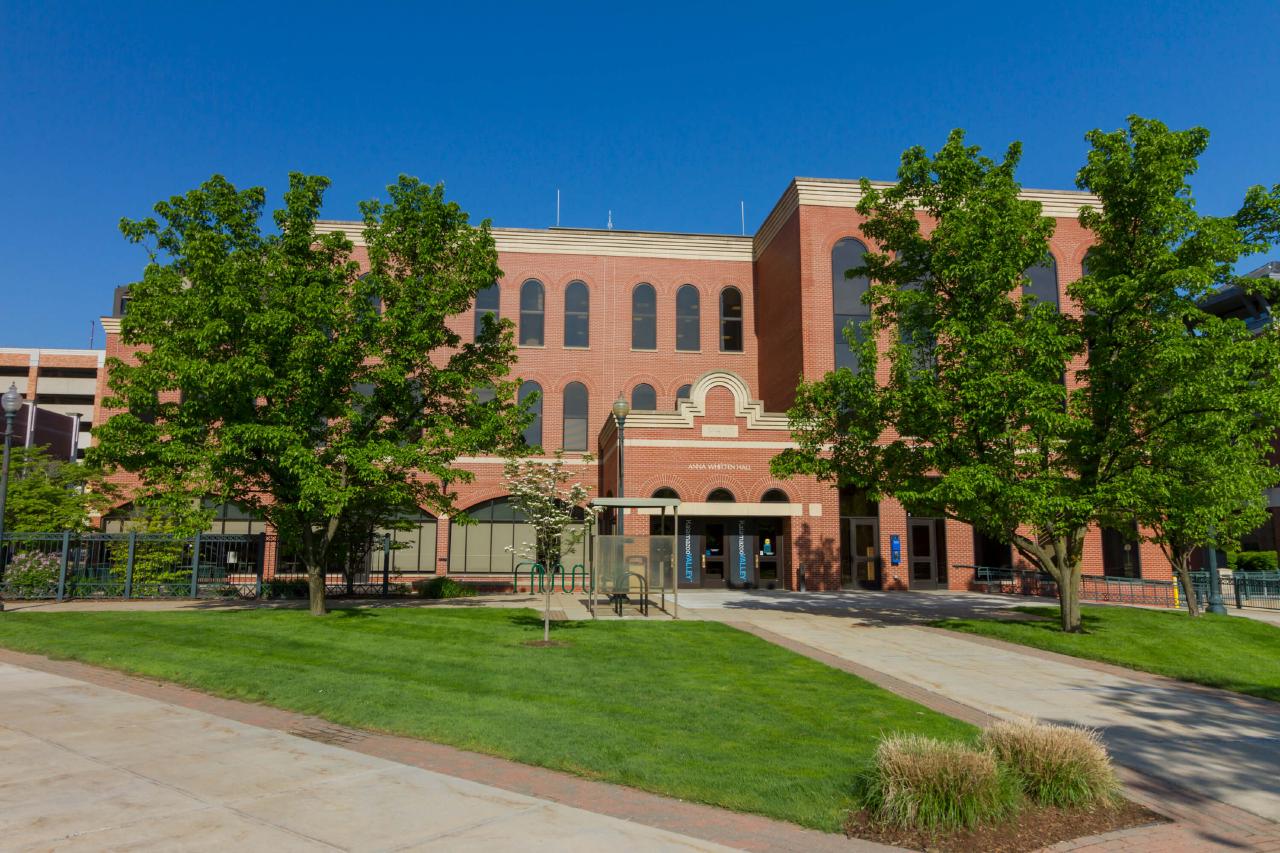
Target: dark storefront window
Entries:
(1120, 553)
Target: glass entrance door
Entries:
(923, 554)
(714, 557)
(860, 569)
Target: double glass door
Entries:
(860, 568)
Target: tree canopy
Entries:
(1002, 411)
(275, 371)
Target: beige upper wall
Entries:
(819, 192)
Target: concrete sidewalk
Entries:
(91, 768)
(1212, 742)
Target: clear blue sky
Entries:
(668, 115)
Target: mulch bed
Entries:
(1033, 829)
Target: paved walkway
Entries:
(91, 768)
(1203, 742)
(96, 759)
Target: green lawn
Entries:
(1230, 652)
(694, 710)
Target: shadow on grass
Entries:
(527, 619)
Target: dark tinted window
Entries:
(1042, 282)
(688, 317)
(644, 317)
(577, 315)
(684, 392)
(532, 313)
(720, 496)
(730, 320)
(775, 496)
(575, 416)
(533, 432)
(847, 297)
(486, 304)
(643, 398)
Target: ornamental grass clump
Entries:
(921, 783)
(1055, 765)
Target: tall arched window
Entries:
(1042, 282)
(848, 292)
(731, 320)
(483, 546)
(533, 432)
(644, 317)
(575, 417)
(688, 338)
(486, 304)
(577, 315)
(532, 313)
(644, 398)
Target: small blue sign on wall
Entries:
(895, 549)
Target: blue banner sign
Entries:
(742, 552)
(688, 551)
(895, 549)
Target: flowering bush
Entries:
(31, 574)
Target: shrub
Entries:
(1055, 765)
(285, 588)
(444, 588)
(32, 574)
(922, 783)
(1254, 561)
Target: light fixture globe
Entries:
(621, 408)
(12, 400)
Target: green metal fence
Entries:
(1242, 589)
(130, 565)
(1099, 588)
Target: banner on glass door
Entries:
(895, 550)
(742, 552)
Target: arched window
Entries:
(1042, 282)
(644, 398)
(731, 320)
(775, 496)
(575, 417)
(688, 337)
(533, 432)
(482, 547)
(683, 394)
(720, 496)
(487, 302)
(532, 313)
(660, 524)
(644, 317)
(415, 551)
(848, 292)
(577, 315)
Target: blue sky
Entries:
(668, 115)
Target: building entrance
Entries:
(730, 553)
(860, 566)
(924, 546)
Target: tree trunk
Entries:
(315, 588)
(1069, 598)
(1182, 567)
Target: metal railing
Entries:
(130, 565)
(1243, 589)
(1100, 588)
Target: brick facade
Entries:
(725, 434)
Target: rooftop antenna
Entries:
(742, 206)
(611, 220)
(557, 207)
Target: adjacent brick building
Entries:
(706, 336)
(63, 381)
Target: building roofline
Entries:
(818, 192)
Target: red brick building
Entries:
(706, 336)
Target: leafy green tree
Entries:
(1190, 400)
(273, 374)
(977, 418)
(51, 495)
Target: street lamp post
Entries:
(12, 403)
(1215, 582)
(621, 408)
